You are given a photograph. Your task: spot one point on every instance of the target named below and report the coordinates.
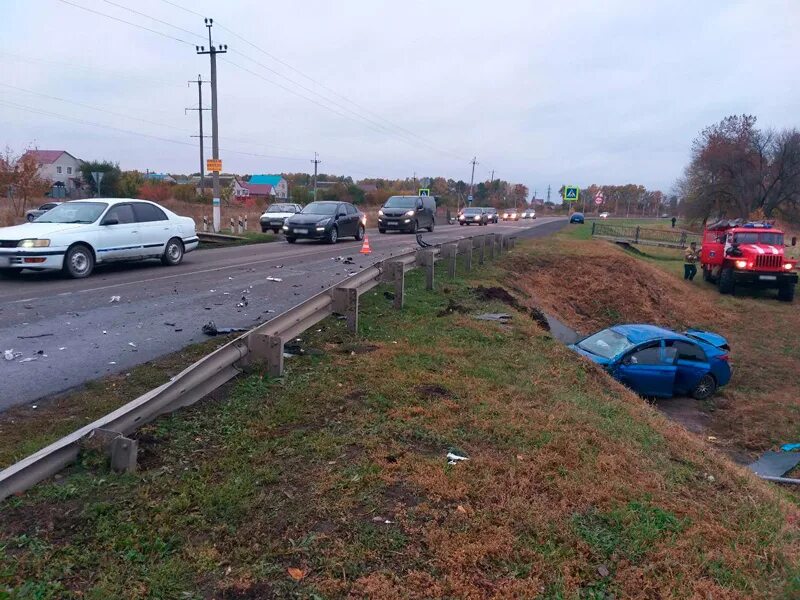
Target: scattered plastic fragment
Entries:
(295, 573)
(211, 328)
(114, 299)
(453, 459)
(775, 464)
(33, 337)
(9, 354)
(501, 317)
(27, 360)
(131, 344)
(790, 447)
(105, 332)
(271, 278)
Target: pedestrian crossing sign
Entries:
(571, 193)
(424, 192)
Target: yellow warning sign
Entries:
(214, 164)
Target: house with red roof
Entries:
(251, 194)
(59, 167)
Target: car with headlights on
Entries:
(511, 214)
(473, 216)
(658, 362)
(491, 212)
(275, 216)
(529, 213)
(327, 221)
(407, 213)
(77, 235)
(35, 213)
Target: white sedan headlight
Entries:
(33, 244)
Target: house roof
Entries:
(271, 180)
(48, 157)
(259, 189)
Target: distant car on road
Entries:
(510, 214)
(35, 213)
(407, 213)
(603, 215)
(577, 218)
(654, 361)
(326, 221)
(77, 235)
(529, 213)
(492, 214)
(276, 214)
(473, 216)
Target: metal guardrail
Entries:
(263, 343)
(630, 234)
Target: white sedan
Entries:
(77, 235)
(276, 216)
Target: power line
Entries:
(137, 133)
(97, 12)
(318, 83)
(141, 14)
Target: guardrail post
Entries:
(268, 348)
(450, 252)
(429, 263)
(123, 454)
(466, 248)
(498, 242)
(345, 302)
(512, 241)
(593, 224)
(490, 242)
(482, 248)
(396, 273)
(637, 234)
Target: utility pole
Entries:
(212, 52)
(316, 161)
(202, 137)
(474, 162)
(548, 194)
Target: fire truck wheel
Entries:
(707, 274)
(786, 293)
(726, 281)
(705, 388)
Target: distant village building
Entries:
(279, 187)
(368, 188)
(58, 167)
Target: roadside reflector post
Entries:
(466, 249)
(205, 223)
(345, 302)
(269, 349)
(233, 230)
(123, 454)
(245, 222)
(241, 225)
(490, 242)
(395, 273)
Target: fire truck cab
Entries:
(748, 254)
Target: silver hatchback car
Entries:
(34, 213)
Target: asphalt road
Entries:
(65, 333)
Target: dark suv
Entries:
(491, 212)
(327, 221)
(407, 213)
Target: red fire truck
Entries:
(751, 254)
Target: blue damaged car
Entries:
(657, 362)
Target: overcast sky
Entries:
(544, 93)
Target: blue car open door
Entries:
(648, 370)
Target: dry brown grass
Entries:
(569, 474)
(590, 285)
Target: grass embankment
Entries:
(334, 483)
(592, 284)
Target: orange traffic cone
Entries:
(365, 249)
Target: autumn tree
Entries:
(20, 180)
(737, 169)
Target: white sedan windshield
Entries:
(74, 212)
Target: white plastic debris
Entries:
(454, 459)
(114, 299)
(9, 354)
(131, 344)
(27, 360)
(112, 362)
(63, 348)
(105, 332)
(271, 278)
